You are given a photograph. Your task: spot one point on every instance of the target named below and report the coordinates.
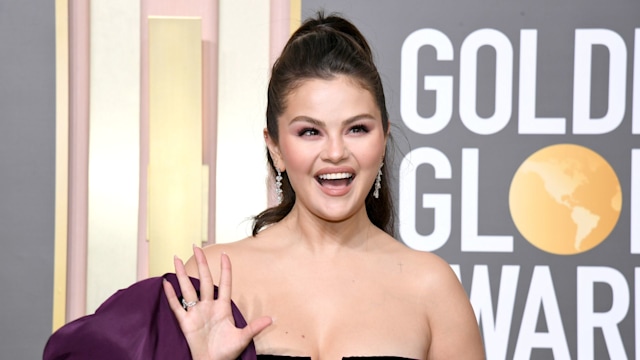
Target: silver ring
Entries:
(188, 304)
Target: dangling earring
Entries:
(279, 186)
(377, 186)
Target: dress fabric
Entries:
(285, 357)
(135, 323)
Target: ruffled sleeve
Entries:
(134, 323)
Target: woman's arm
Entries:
(455, 332)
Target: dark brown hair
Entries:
(322, 48)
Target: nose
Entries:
(335, 149)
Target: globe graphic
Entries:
(565, 199)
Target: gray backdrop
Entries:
(27, 154)
(27, 133)
(509, 285)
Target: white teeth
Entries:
(336, 176)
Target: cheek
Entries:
(372, 153)
(370, 159)
(297, 158)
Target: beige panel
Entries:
(243, 73)
(295, 15)
(207, 10)
(62, 163)
(175, 140)
(114, 148)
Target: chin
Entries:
(339, 213)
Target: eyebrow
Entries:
(320, 123)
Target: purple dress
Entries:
(134, 323)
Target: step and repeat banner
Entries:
(517, 159)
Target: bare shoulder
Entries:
(436, 282)
(455, 332)
(429, 273)
(438, 275)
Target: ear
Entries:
(274, 151)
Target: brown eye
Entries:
(308, 132)
(359, 129)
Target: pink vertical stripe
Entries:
(280, 25)
(280, 19)
(210, 110)
(207, 10)
(79, 22)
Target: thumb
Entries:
(256, 326)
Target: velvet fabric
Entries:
(285, 357)
(134, 323)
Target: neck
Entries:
(321, 236)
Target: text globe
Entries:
(565, 199)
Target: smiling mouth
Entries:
(335, 179)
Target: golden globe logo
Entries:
(565, 199)
(563, 225)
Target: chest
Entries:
(336, 314)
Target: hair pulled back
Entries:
(323, 48)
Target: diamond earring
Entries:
(377, 185)
(279, 186)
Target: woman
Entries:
(323, 265)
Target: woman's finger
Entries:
(188, 292)
(174, 303)
(224, 289)
(206, 282)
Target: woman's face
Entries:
(331, 143)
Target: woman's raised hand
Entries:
(208, 324)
